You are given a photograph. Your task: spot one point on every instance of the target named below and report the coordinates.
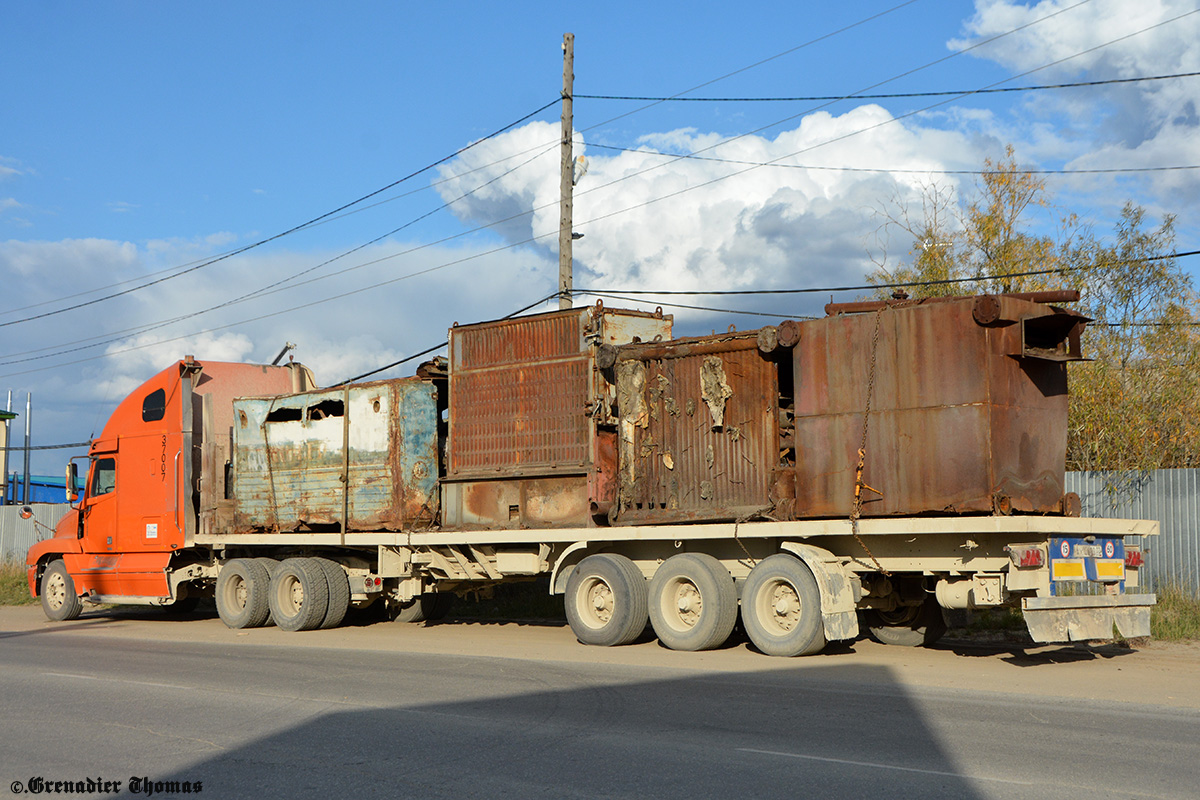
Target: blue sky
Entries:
(139, 137)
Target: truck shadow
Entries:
(829, 731)
(1034, 655)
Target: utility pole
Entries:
(566, 179)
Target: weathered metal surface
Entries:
(529, 406)
(528, 503)
(1071, 619)
(521, 389)
(699, 429)
(300, 464)
(986, 300)
(961, 420)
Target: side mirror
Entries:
(26, 512)
(72, 481)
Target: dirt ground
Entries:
(1166, 674)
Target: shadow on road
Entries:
(830, 732)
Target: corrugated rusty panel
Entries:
(960, 421)
(520, 418)
(290, 458)
(521, 390)
(699, 430)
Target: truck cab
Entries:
(138, 510)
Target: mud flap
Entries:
(1077, 619)
(840, 590)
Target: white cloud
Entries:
(1143, 124)
(650, 222)
(337, 339)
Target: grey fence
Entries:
(1171, 496)
(18, 535)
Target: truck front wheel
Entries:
(606, 600)
(59, 600)
(781, 608)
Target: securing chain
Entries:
(856, 509)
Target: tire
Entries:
(270, 565)
(693, 602)
(243, 586)
(907, 626)
(339, 593)
(781, 608)
(606, 600)
(57, 592)
(431, 607)
(299, 595)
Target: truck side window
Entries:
(154, 407)
(104, 476)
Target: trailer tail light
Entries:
(372, 584)
(1027, 555)
(1133, 557)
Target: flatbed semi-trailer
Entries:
(803, 477)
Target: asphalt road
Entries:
(470, 710)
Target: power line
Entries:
(277, 236)
(891, 96)
(1111, 170)
(47, 447)
(862, 287)
(537, 237)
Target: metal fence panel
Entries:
(1171, 496)
(18, 535)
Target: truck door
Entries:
(99, 506)
(151, 462)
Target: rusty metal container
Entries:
(532, 439)
(699, 430)
(356, 458)
(968, 406)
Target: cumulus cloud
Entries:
(651, 221)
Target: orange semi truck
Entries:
(867, 470)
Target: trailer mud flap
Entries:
(840, 590)
(1075, 619)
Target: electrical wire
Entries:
(888, 170)
(892, 96)
(868, 286)
(98, 341)
(531, 239)
(277, 236)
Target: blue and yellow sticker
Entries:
(1100, 560)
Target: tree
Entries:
(1136, 406)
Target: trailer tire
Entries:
(781, 608)
(242, 588)
(910, 626)
(426, 607)
(606, 600)
(57, 592)
(299, 594)
(693, 602)
(339, 593)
